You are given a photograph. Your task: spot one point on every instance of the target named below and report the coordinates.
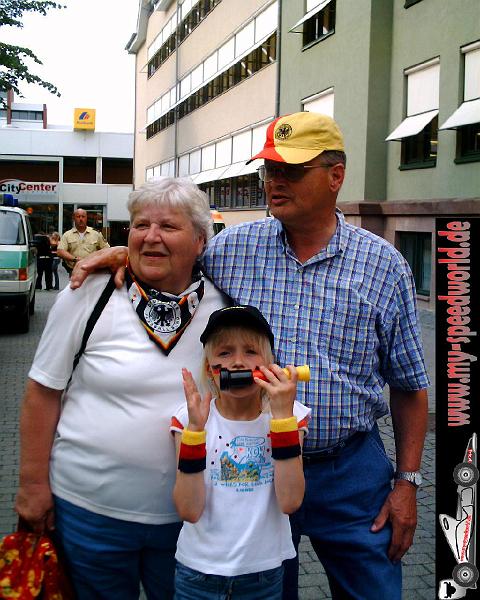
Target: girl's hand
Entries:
(198, 407)
(280, 389)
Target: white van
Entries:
(18, 267)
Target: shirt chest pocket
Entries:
(348, 335)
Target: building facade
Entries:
(401, 77)
(206, 79)
(53, 171)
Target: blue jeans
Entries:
(344, 493)
(193, 585)
(108, 558)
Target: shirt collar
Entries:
(336, 245)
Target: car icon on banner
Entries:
(460, 530)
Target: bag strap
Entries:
(97, 311)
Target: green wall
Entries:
(364, 60)
(426, 30)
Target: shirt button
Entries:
(296, 307)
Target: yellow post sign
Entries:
(84, 118)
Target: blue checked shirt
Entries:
(349, 312)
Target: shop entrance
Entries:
(43, 217)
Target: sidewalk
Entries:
(16, 355)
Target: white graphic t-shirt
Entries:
(242, 529)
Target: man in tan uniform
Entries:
(80, 241)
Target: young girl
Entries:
(240, 469)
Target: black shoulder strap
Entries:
(97, 311)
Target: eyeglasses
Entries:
(289, 172)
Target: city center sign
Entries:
(30, 191)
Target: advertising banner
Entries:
(457, 405)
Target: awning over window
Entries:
(233, 170)
(210, 175)
(310, 13)
(251, 167)
(412, 125)
(466, 114)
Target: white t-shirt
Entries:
(242, 529)
(113, 453)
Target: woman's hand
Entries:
(198, 407)
(34, 504)
(280, 389)
(108, 258)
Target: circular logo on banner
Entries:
(162, 316)
(283, 132)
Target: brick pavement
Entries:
(16, 354)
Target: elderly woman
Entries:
(97, 459)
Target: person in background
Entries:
(44, 260)
(97, 461)
(342, 300)
(239, 466)
(80, 241)
(54, 241)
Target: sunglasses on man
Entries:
(292, 173)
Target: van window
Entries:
(11, 228)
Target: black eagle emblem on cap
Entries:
(283, 132)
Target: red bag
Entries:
(29, 569)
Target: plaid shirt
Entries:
(349, 312)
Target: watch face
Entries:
(418, 479)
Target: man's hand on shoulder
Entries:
(108, 258)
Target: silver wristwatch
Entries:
(413, 477)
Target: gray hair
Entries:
(333, 157)
(179, 193)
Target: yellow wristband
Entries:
(192, 438)
(283, 425)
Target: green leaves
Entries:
(13, 69)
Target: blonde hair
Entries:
(236, 332)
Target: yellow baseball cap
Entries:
(300, 137)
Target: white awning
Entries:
(251, 167)
(210, 175)
(466, 114)
(412, 125)
(233, 170)
(309, 14)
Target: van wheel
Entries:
(31, 306)
(23, 320)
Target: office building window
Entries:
(253, 62)
(421, 149)
(245, 191)
(418, 132)
(417, 250)
(468, 143)
(184, 29)
(78, 169)
(27, 115)
(466, 118)
(320, 24)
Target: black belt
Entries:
(315, 456)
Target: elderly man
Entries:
(342, 300)
(80, 241)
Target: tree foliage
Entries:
(13, 69)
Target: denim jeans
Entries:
(344, 493)
(193, 585)
(108, 558)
